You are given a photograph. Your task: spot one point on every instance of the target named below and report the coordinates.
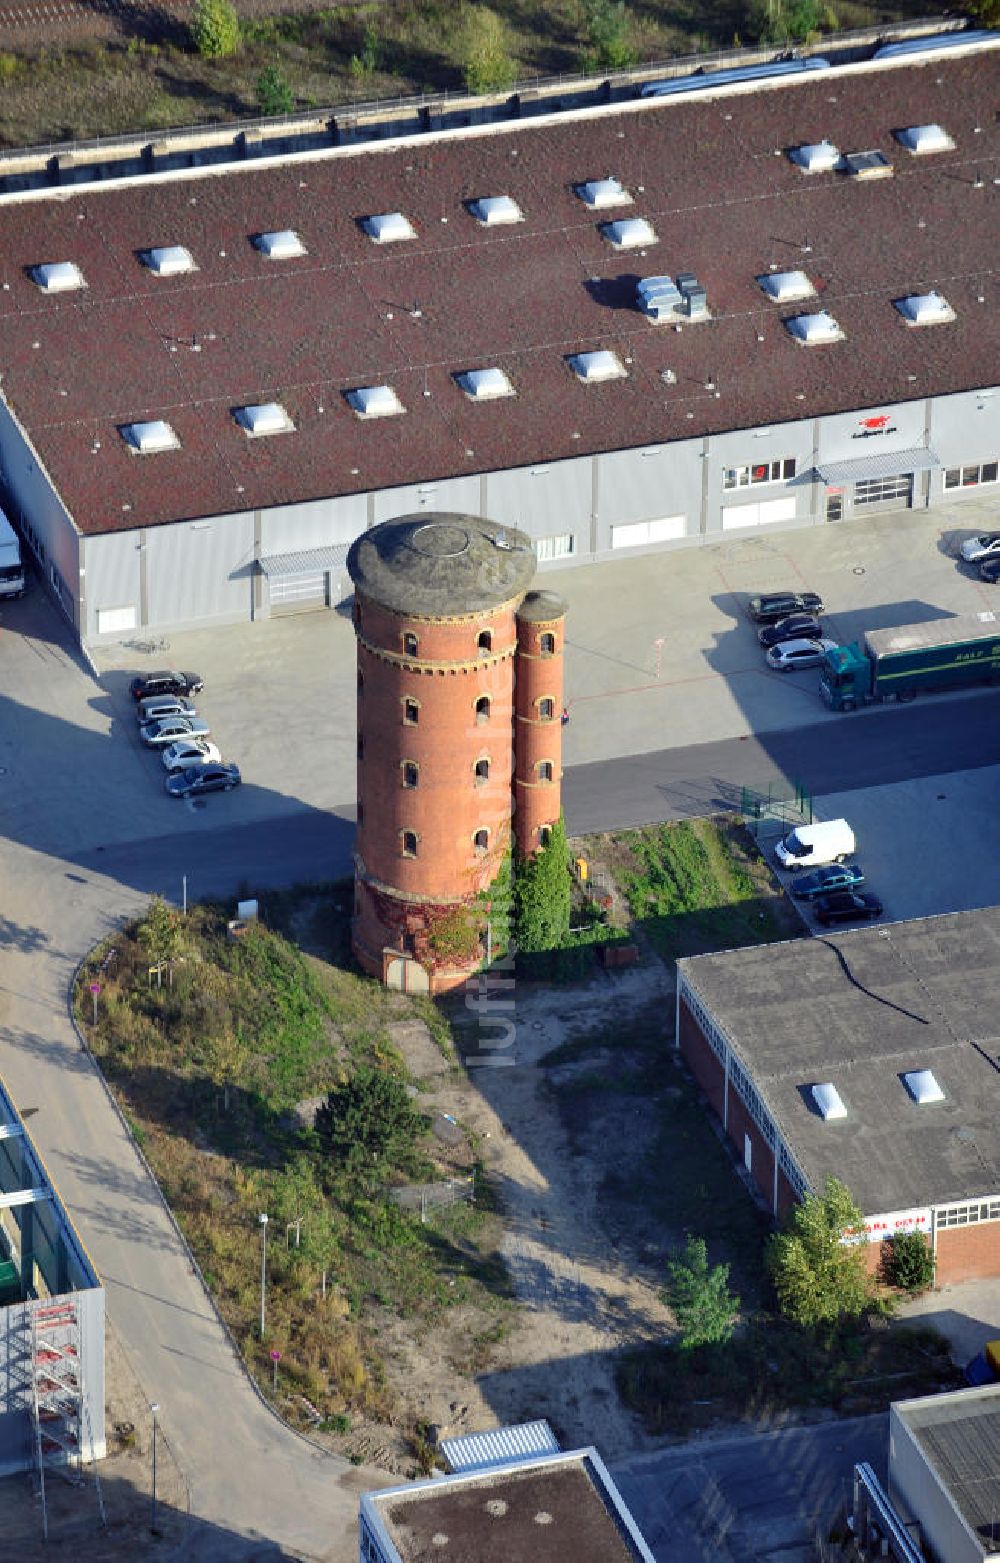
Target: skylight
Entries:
(283, 244)
(374, 401)
(629, 233)
(592, 367)
(599, 194)
(786, 286)
(829, 1102)
(812, 330)
(169, 260)
(388, 228)
(921, 139)
(58, 277)
(484, 385)
(492, 210)
(148, 439)
(815, 157)
(923, 1086)
(924, 309)
(263, 418)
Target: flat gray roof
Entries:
(959, 1437)
(860, 1010)
(936, 632)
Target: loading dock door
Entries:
(891, 493)
(298, 593)
(299, 582)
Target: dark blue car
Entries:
(836, 876)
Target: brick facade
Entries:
(538, 702)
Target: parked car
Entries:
(989, 569)
(155, 707)
(976, 548)
(835, 876)
(795, 626)
(788, 655)
(158, 734)
(202, 778)
(847, 906)
(166, 682)
(778, 605)
(190, 751)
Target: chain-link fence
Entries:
(435, 1196)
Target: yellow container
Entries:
(581, 869)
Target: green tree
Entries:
(364, 65)
(606, 26)
(483, 51)
(818, 1277)
(542, 895)
(910, 1264)
(215, 28)
(274, 95)
(985, 12)
(159, 933)
(367, 1125)
(699, 1297)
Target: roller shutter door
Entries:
(298, 593)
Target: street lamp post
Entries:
(152, 1520)
(263, 1273)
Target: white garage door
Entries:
(636, 534)
(298, 593)
(758, 515)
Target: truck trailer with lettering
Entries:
(11, 563)
(898, 664)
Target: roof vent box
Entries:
(924, 309)
(484, 385)
(629, 233)
(923, 139)
(283, 244)
(57, 277)
(923, 1086)
(815, 157)
(867, 165)
(829, 1102)
(599, 194)
(374, 401)
(169, 260)
(658, 297)
(388, 227)
(593, 367)
(785, 287)
(147, 439)
(493, 210)
(813, 330)
(263, 418)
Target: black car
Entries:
(778, 605)
(202, 778)
(989, 570)
(165, 683)
(797, 626)
(847, 906)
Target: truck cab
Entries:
(11, 566)
(846, 678)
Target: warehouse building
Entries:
(870, 1056)
(944, 1473)
(212, 381)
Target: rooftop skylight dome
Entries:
(484, 385)
(786, 286)
(924, 309)
(493, 210)
(260, 419)
(629, 233)
(282, 244)
(599, 194)
(813, 330)
(923, 1087)
(388, 228)
(923, 139)
(169, 260)
(374, 401)
(148, 439)
(597, 366)
(829, 1102)
(815, 157)
(58, 277)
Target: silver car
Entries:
(180, 756)
(788, 655)
(170, 730)
(982, 547)
(158, 706)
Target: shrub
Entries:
(483, 53)
(699, 1297)
(274, 95)
(910, 1262)
(215, 28)
(606, 28)
(367, 1126)
(365, 64)
(542, 895)
(818, 1277)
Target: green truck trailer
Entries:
(899, 663)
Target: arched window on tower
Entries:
(411, 773)
(544, 769)
(483, 708)
(408, 843)
(483, 769)
(544, 835)
(481, 840)
(546, 709)
(485, 641)
(411, 712)
(410, 644)
(547, 644)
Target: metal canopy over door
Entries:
(299, 582)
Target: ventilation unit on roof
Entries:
(924, 309)
(921, 139)
(374, 401)
(484, 385)
(599, 194)
(263, 418)
(147, 439)
(658, 297)
(923, 1087)
(629, 233)
(492, 210)
(57, 277)
(867, 165)
(829, 1102)
(283, 244)
(592, 367)
(812, 330)
(786, 286)
(815, 157)
(169, 261)
(388, 228)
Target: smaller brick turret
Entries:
(538, 708)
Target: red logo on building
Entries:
(875, 423)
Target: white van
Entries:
(810, 846)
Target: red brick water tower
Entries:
(446, 629)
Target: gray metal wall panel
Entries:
(112, 576)
(200, 570)
(845, 437)
(544, 500)
(649, 482)
(916, 1486)
(318, 523)
(460, 494)
(965, 430)
(746, 447)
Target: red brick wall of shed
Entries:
(710, 1075)
(700, 1059)
(968, 1253)
(761, 1155)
